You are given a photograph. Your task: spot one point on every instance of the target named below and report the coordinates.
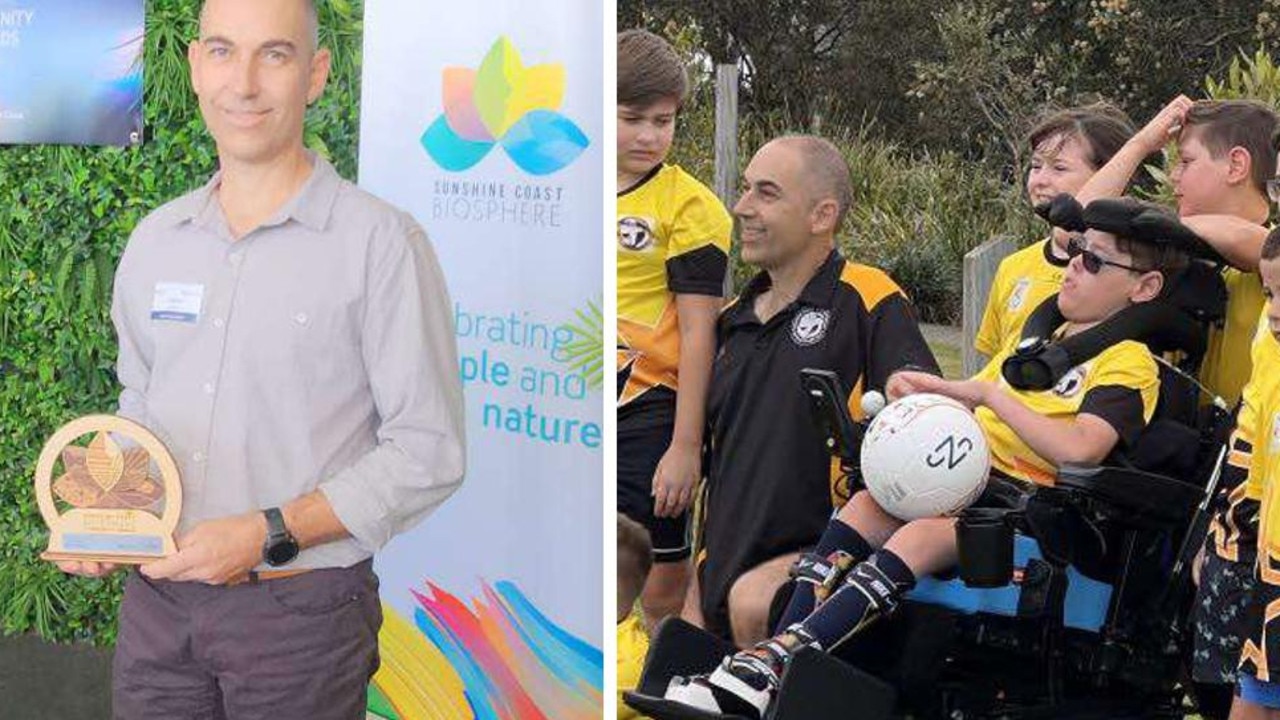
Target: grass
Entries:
(949, 359)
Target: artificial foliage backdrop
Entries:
(65, 216)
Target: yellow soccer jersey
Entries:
(1120, 385)
(1225, 369)
(1231, 528)
(633, 645)
(673, 238)
(1022, 282)
(1262, 648)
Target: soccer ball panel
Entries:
(925, 456)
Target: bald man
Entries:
(289, 337)
(771, 489)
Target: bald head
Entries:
(312, 15)
(825, 172)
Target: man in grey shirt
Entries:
(288, 337)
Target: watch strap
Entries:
(276, 529)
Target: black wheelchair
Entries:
(1074, 606)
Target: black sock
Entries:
(871, 589)
(837, 536)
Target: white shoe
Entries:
(743, 684)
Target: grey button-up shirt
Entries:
(317, 351)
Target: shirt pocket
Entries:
(171, 339)
(324, 335)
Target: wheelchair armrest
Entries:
(1135, 494)
(829, 410)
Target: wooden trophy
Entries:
(108, 505)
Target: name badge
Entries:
(177, 302)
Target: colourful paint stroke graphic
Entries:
(500, 659)
(504, 103)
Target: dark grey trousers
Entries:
(299, 647)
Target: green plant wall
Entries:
(65, 215)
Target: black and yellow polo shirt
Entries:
(1121, 385)
(770, 485)
(673, 238)
(1023, 281)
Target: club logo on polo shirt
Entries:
(635, 234)
(810, 326)
(1071, 383)
(1019, 294)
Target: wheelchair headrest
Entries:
(1129, 218)
(1198, 291)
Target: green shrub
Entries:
(917, 213)
(65, 214)
(1247, 78)
(914, 215)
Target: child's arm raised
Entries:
(1114, 177)
(1236, 239)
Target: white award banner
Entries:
(485, 123)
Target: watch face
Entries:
(282, 552)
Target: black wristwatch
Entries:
(280, 547)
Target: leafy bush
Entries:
(917, 212)
(914, 215)
(1247, 78)
(65, 214)
(960, 76)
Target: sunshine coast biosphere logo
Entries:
(504, 103)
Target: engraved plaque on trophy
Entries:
(116, 499)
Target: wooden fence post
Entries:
(980, 265)
(726, 180)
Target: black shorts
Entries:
(1221, 618)
(639, 450)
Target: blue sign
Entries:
(71, 72)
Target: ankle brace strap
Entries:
(823, 572)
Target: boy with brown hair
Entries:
(672, 255)
(1220, 184)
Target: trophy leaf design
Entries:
(104, 461)
(104, 476)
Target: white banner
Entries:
(485, 123)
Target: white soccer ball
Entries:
(925, 456)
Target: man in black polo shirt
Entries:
(771, 488)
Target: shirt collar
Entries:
(311, 206)
(1051, 258)
(819, 292)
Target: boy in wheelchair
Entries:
(867, 559)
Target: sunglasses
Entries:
(1092, 261)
